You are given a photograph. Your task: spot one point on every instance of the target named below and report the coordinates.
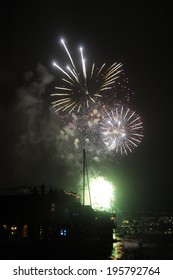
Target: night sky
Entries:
(137, 36)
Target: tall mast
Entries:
(85, 174)
(84, 167)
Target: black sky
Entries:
(138, 36)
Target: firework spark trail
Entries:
(80, 90)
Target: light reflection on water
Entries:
(137, 247)
(117, 250)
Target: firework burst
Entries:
(82, 88)
(84, 102)
(121, 129)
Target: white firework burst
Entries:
(81, 89)
(121, 129)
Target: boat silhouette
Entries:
(45, 223)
